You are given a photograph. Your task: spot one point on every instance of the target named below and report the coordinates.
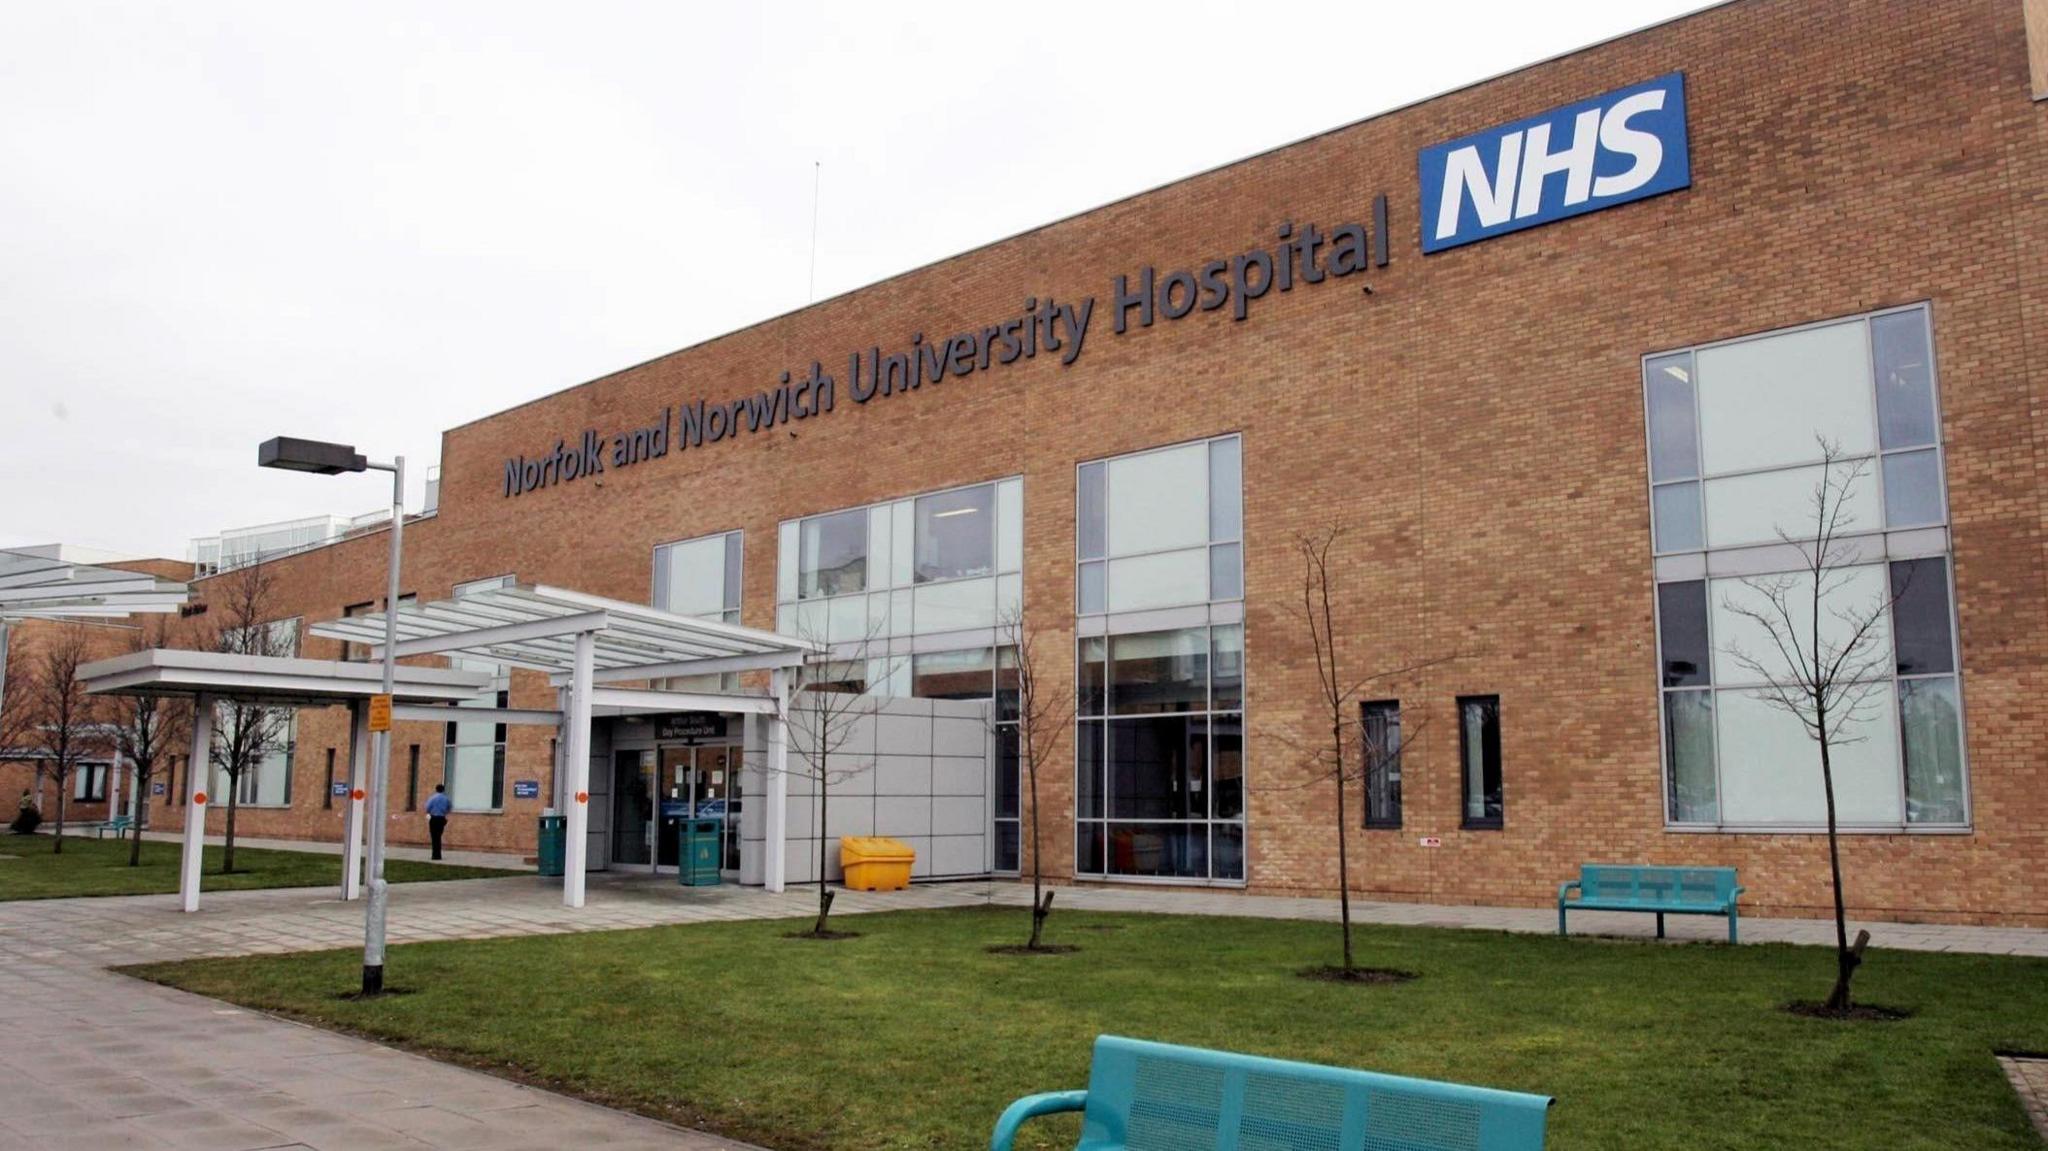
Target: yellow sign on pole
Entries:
(380, 713)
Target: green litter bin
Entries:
(553, 839)
(700, 852)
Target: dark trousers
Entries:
(436, 824)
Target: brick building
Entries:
(1555, 453)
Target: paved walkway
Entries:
(120, 1063)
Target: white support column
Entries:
(198, 770)
(352, 817)
(113, 782)
(775, 835)
(576, 757)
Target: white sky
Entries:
(369, 222)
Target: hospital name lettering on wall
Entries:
(1626, 145)
(1303, 255)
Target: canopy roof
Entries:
(36, 586)
(272, 679)
(537, 627)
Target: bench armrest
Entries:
(1567, 885)
(1031, 1107)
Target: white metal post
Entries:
(775, 835)
(197, 770)
(576, 757)
(380, 794)
(352, 815)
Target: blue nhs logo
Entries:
(1626, 145)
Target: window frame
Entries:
(1209, 548)
(1365, 710)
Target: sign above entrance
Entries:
(690, 725)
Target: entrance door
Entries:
(633, 807)
(699, 783)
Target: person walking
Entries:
(438, 806)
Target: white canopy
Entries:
(536, 628)
(272, 680)
(34, 586)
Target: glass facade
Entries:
(1159, 744)
(1735, 460)
(473, 754)
(701, 577)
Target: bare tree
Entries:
(1337, 707)
(17, 705)
(245, 734)
(64, 715)
(1827, 676)
(145, 727)
(832, 697)
(1043, 716)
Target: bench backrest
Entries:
(1159, 1097)
(1705, 886)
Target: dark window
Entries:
(1682, 633)
(327, 792)
(1479, 749)
(1163, 671)
(832, 554)
(1920, 624)
(356, 651)
(1088, 770)
(412, 778)
(1381, 732)
(1905, 380)
(1094, 677)
(1158, 766)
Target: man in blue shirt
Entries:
(438, 807)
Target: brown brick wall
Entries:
(1475, 423)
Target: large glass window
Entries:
(1734, 463)
(268, 781)
(1734, 431)
(942, 562)
(700, 577)
(1161, 528)
(1159, 762)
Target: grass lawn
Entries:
(100, 867)
(913, 1036)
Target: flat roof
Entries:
(273, 679)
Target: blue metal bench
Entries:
(119, 825)
(1158, 1097)
(1662, 890)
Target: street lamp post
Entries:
(334, 459)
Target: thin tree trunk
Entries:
(135, 815)
(1343, 841)
(1845, 959)
(57, 848)
(824, 871)
(1041, 903)
(227, 855)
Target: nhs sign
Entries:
(1626, 145)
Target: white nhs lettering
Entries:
(1525, 160)
(1626, 145)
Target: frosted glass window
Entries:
(1676, 518)
(474, 776)
(1905, 379)
(1091, 593)
(1226, 489)
(1093, 513)
(1226, 572)
(1752, 509)
(902, 543)
(879, 550)
(1163, 580)
(1157, 501)
(1763, 401)
(1010, 526)
(1931, 720)
(955, 606)
(846, 619)
(1855, 589)
(1689, 754)
(695, 582)
(785, 562)
(1009, 598)
(1770, 768)
(1912, 490)
(1674, 431)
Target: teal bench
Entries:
(119, 825)
(1662, 890)
(1158, 1097)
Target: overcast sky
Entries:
(369, 222)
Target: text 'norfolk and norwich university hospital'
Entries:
(1555, 351)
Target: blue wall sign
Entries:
(337, 788)
(526, 789)
(1627, 145)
